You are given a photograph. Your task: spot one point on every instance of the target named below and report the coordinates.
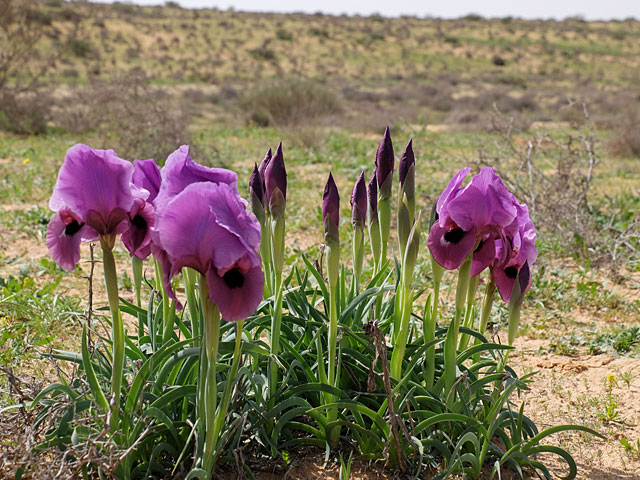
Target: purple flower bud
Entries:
(359, 202)
(256, 185)
(331, 209)
(263, 164)
(275, 177)
(406, 161)
(372, 195)
(256, 194)
(384, 164)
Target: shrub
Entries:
(290, 101)
(498, 61)
(282, 34)
(26, 112)
(625, 140)
(126, 114)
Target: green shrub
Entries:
(291, 101)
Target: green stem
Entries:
(168, 308)
(117, 329)
(136, 269)
(384, 219)
(468, 313)
(276, 322)
(265, 253)
(358, 253)
(189, 279)
(332, 358)
(432, 322)
(487, 304)
(230, 381)
(211, 337)
(451, 341)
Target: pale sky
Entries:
(589, 9)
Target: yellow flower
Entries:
(26, 160)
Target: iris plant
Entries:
(331, 221)
(477, 226)
(95, 198)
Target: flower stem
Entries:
(111, 282)
(468, 313)
(276, 325)
(136, 269)
(451, 341)
(211, 336)
(431, 322)
(189, 278)
(332, 358)
(230, 381)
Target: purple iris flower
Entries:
(180, 170)
(514, 250)
(208, 228)
(137, 238)
(384, 164)
(92, 197)
(359, 202)
(468, 216)
(275, 178)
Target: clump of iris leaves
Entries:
(411, 424)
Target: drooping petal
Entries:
(450, 245)
(96, 186)
(180, 171)
(146, 174)
(207, 225)
(506, 277)
(64, 234)
(137, 238)
(237, 292)
(484, 254)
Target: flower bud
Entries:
(359, 203)
(256, 194)
(275, 177)
(331, 211)
(384, 165)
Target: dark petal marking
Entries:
(454, 235)
(139, 222)
(479, 246)
(71, 229)
(511, 272)
(233, 278)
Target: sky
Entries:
(558, 9)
